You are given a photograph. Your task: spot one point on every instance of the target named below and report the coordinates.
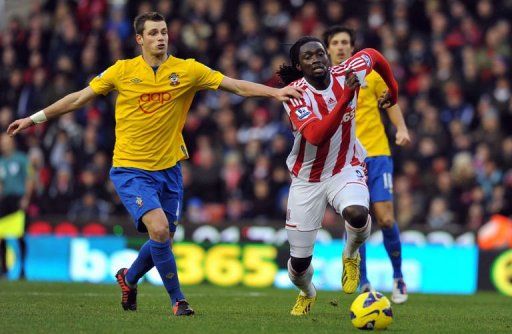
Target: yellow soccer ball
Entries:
(371, 310)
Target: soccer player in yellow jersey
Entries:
(371, 133)
(155, 94)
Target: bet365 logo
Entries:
(151, 102)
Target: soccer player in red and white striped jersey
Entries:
(326, 160)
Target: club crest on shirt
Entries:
(302, 113)
(175, 79)
(139, 202)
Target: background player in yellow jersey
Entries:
(371, 133)
(155, 94)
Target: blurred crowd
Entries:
(451, 58)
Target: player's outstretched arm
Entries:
(68, 103)
(251, 89)
(381, 66)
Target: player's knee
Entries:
(356, 215)
(300, 264)
(159, 232)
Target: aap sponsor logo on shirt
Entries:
(151, 102)
(303, 113)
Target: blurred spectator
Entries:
(61, 192)
(16, 177)
(455, 108)
(439, 215)
(207, 176)
(16, 184)
(262, 202)
(88, 209)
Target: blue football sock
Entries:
(394, 248)
(166, 265)
(142, 264)
(362, 265)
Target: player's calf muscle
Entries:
(384, 213)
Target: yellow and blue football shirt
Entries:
(369, 128)
(151, 108)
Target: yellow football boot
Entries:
(350, 277)
(302, 305)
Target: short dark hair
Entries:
(329, 33)
(138, 23)
(289, 73)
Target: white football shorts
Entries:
(307, 201)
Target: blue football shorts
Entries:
(142, 191)
(380, 178)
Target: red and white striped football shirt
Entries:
(317, 163)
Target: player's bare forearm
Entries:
(66, 104)
(69, 103)
(245, 88)
(251, 89)
(396, 117)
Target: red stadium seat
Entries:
(66, 229)
(93, 229)
(39, 227)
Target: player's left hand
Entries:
(402, 137)
(19, 125)
(385, 100)
(286, 93)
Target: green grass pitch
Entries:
(28, 307)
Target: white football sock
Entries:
(356, 237)
(303, 280)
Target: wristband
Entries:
(39, 117)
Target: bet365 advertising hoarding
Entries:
(427, 268)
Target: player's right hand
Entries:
(18, 125)
(351, 80)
